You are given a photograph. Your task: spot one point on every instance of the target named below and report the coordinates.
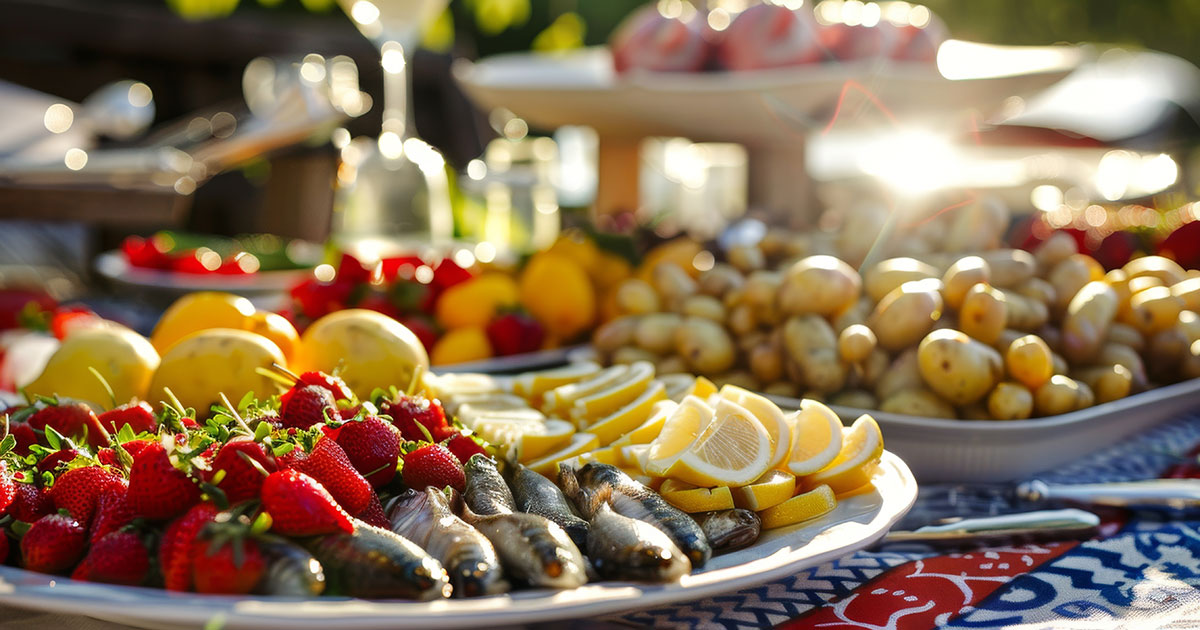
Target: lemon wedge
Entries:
(627, 418)
(471, 417)
(445, 386)
(634, 456)
(702, 388)
(733, 450)
(454, 405)
(531, 439)
(816, 438)
(770, 490)
(862, 446)
(579, 443)
(679, 431)
(648, 430)
(605, 401)
(532, 385)
(558, 401)
(607, 455)
(816, 502)
(678, 385)
(767, 413)
(692, 499)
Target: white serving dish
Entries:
(857, 522)
(940, 450)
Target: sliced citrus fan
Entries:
(534, 384)
(547, 466)
(627, 418)
(558, 401)
(862, 446)
(816, 502)
(733, 450)
(611, 398)
(679, 430)
(694, 499)
(648, 430)
(767, 413)
(816, 438)
(770, 490)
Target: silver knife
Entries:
(1176, 494)
(1038, 526)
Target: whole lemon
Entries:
(278, 329)
(462, 345)
(373, 349)
(208, 363)
(557, 292)
(124, 358)
(476, 301)
(200, 311)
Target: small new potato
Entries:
(857, 398)
(703, 306)
(1010, 401)
(983, 314)
(705, 345)
(902, 374)
(1108, 382)
(746, 258)
(1009, 267)
(670, 364)
(672, 282)
(812, 346)
(636, 297)
(918, 402)
(1189, 292)
(1060, 394)
(655, 332)
(742, 320)
(855, 343)
(1024, 313)
(874, 367)
(965, 273)
(1165, 350)
(631, 354)
(907, 314)
(762, 288)
(1070, 275)
(1154, 309)
(766, 362)
(823, 285)
(781, 388)
(1089, 316)
(887, 275)
(1038, 290)
(1006, 339)
(957, 367)
(857, 313)
(1055, 249)
(719, 280)
(1127, 335)
(1165, 269)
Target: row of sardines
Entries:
(513, 526)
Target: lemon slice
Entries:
(465, 384)
(692, 499)
(579, 443)
(629, 417)
(679, 431)
(733, 450)
(648, 430)
(634, 456)
(862, 446)
(558, 400)
(816, 438)
(532, 385)
(702, 388)
(678, 385)
(770, 490)
(650, 481)
(471, 417)
(605, 401)
(769, 414)
(816, 502)
(607, 455)
(530, 439)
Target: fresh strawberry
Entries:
(139, 416)
(175, 551)
(241, 479)
(54, 544)
(157, 489)
(374, 514)
(300, 506)
(108, 456)
(229, 567)
(72, 420)
(447, 273)
(373, 446)
(119, 557)
(71, 318)
(26, 437)
(407, 411)
(464, 447)
(51, 462)
(78, 490)
(112, 513)
(334, 384)
(423, 328)
(8, 488)
(433, 465)
(515, 333)
(329, 465)
(303, 406)
(30, 503)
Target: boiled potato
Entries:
(1164, 351)
(719, 280)
(902, 374)
(975, 411)
(819, 284)
(888, 275)
(762, 288)
(636, 297)
(1055, 249)
(655, 333)
(907, 314)
(1190, 368)
(874, 367)
(1060, 394)
(1039, 290)
(1141, 283)
(1117, 354)
(746, 258)
(976, 227)
(857, 398)
(1006, 339)
(1029, 361)
(965, 273)
(670, 364)
(855, 343)
(740, 378)
(766, 362)
(615, 333)
(983, 314)
(957, 367)
(856, 314)
(1165, 269)
(918, 402)
(1188, 291)
(672, 282)
(1024, 313)
(1127, 335)
(1108, 382)
(1010, 401)
(1189, 323)
(1154, 309)
(1069, 276)
(1009, 267)
(742, 320)
(705, 345)
(812, 345)
(1089, 316)
(781, 388)
(703, 306)
(631, 354)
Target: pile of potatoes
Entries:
(1001, 334)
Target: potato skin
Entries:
(965, 273)
(983, 314)
(918, 402)
(856, 342)
(957, 367)
(907, 314)
(1089, 315)
(1010, 401)
(819, 284)
(887, 275)
(812, 346)
(1029, 361)
(1009, 267)
(705, 345)
(1060, 394)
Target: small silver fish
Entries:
(375, 563)
(597, 483)
(531, 548)
(536, 494)
(626, 548)
(291, 571)
(728, 530)
(486, 492)
(425, 518)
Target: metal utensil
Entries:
(1037, 526)
(1174, 494)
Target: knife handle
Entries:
(1175, 494)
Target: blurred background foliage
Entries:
(484, 27)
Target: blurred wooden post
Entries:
(618, 161)
(779, 183)
(298, 201)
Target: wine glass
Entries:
(397, 193)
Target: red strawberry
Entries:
(157, 489)
(407, 411)
(70, 318)
(373, 446)
(329, 465)
(433, 465)
(108, 456)
(334, 384)
(26, 437)
(139, 416)
(54, 544)
(78, 489)
(464, 447)
(234, 567)
(304, 406)
(51, 462)
(112, 513)
(423, 328)
(374, 514)
(72, 420)
(300, 506)
(175, 551)
(118, 558)
(30, 503)
(242, 480)
(515, 333)
(8, 488)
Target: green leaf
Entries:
(262, 524)
(53, 438)
(283, 449)
(7, 444)
(247, 401)
(262, 431)
(126, 434)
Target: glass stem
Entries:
(397, 89)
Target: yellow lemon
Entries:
(278, 329)
(579, 443)
(771, 489)
(648, 430)
(561, 398)
(766, 412)
(200, 311)
(373, 349)
(679, 431)
(532, 385)
(629, 417)
(733, 450)
(476, 301)
(680, 251)
(205, 364)
(124, 358)
(816, 438)
(862, 446)
(816, 502)
(574, 244)
(557, 292)
(610, 399)
(692, 499)
(460, 346)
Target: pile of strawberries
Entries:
(169, 498)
